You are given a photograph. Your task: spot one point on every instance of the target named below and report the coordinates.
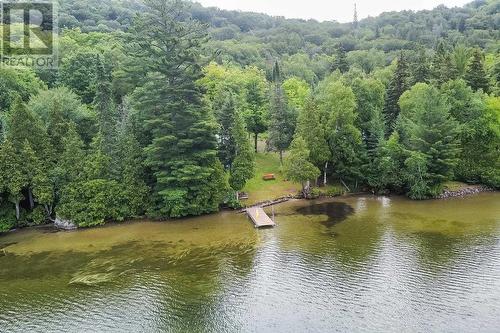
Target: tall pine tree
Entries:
(179, 131)
(432, 136)
(282, 124)
(476, 76)
(340, 63)
(397, 86)
(421, 70)
(442, 68)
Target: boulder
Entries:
(64, 224)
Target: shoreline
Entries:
(464, 192)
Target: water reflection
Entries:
(356, 264)
(335, 211)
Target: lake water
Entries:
(359, 264)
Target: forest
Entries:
(158, 107)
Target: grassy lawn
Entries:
(261, 190)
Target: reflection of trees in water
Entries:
(438, 252)
(185, 279)
(335, 212)
(441, 238)
(194, 283)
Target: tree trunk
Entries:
(324, 176)
(348, 189)
(237, 196)
(30, 196)
(256, 139)
(281, 157)
(18, 213)
(48, 209)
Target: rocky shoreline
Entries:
(463, 192)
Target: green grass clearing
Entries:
(260, 190)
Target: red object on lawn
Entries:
(269, 176)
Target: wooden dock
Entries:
(259, 217)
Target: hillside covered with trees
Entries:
(154, 103)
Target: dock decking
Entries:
(259, 217)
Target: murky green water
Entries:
(361, 264)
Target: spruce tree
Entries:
(340, 63)
(442, 68)
(131, 171)
(24, 125)
(14, 177)
(243, 166)
(421, 70)
(282, 124)
(105, 108)
(370, 104)
(476, 76)
(432, 133)
(461, 59)
(397, 86)
(179, 131)
(225, 109)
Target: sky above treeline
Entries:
(328, 10)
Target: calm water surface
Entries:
(361, 264)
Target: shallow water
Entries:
(359, 264)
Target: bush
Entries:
(37, 216)
(92, 203)
(7, 217)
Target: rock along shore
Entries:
(463, 192)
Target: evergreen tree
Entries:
(432, 133)
(105, 108)
(243, 165)
(282, 124)
(442, 68)
(297, 167)
(69, 167)
(24, 125)
(387, 168)
(57, 128)
(479, 133)
(476, 76)
(225, 111)
(179, 131)
(14, 177)
(461, 59)
(397, 86)
(92, 197)
(340, 63)
(421, 70)
(370, 104)
(131, 171)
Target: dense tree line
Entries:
(157, 114)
